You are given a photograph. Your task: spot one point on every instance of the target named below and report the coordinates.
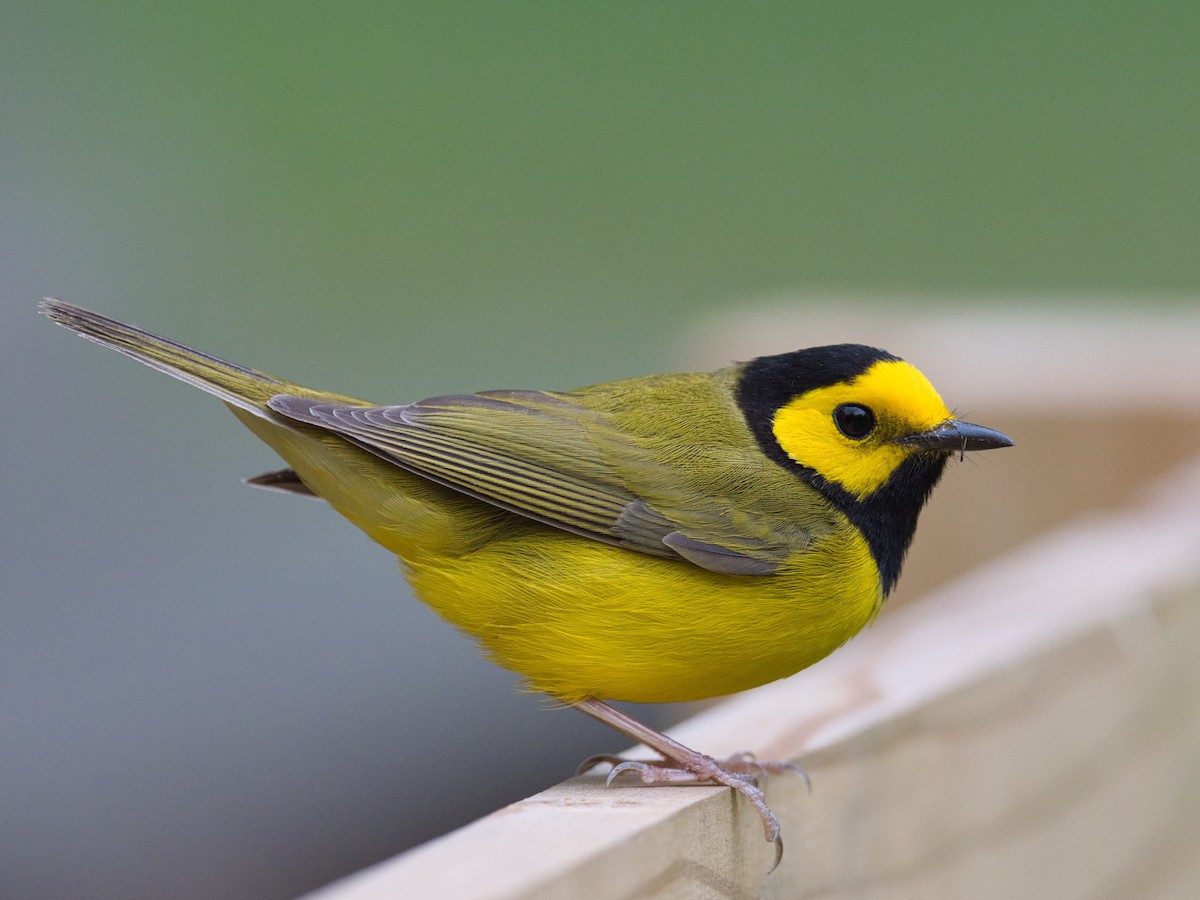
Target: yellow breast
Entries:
(578, 618)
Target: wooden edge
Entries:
(1099, 575)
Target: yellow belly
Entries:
(578, 618)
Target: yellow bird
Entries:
(665, 538)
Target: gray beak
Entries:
(954, 436)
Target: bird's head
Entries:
(852, 415)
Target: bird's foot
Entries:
(682, 765)
(742, 772)
(746, 765)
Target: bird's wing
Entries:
(545, 456)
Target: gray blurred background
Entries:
(209, 691)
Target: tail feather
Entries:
(242, 387)
(285, 480)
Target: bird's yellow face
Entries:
(848, 432)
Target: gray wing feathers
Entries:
(717, 558)
(531, 453)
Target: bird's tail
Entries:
(241, 387)
(372, 493)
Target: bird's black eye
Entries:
(854, 421)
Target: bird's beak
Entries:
(955, 436)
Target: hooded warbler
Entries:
(664, 538)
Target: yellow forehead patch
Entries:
(903, 401)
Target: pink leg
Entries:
(689, 767)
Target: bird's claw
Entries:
(741, 773)
(598, 759)
(750, 764)
(654, 772)
(741, 763)
(682, 765)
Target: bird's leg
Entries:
(686, 766)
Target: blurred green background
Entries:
(208, 691)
